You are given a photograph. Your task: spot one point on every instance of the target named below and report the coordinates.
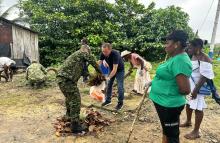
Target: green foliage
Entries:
(126, 24)
(217, 73)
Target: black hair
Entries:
(197, 42)
(205, 42)
(84, 41)
(107, 45)
(178, 36)
(13, 67)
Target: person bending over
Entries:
(67, 79)
(36, 75)
(142, 75)
(116, 66)
(7, 66)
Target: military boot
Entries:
(77, 128)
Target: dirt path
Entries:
(26, 116)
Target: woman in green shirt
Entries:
(171, 85)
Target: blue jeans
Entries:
(120, 81)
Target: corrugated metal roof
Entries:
(13, 23)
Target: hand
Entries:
(130, 70)
(147, 84)
(194, 94)
(107, 78)
(141, 72)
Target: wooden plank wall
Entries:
(5, 32)
(24, 41)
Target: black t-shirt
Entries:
(112, 59)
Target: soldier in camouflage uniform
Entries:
(36, 74)
(67, 77)
(85, 73)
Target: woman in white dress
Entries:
(202, 70)
(143, 67)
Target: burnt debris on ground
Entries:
(94, 122)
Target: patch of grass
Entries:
(17, 99)
(216, 66)
(84, 90)
(154, 68)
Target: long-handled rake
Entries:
(137, 112)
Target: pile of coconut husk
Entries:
(94, 122)
(62, 127)
(96, 79)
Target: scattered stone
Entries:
(114, 113)
(135, 138)
(132, 115)
(91, 128)
(214, 140)
(142, 119)
(58, 134)
(211, 108)
(126, 117)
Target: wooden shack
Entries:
(18, 42)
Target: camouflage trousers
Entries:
(73, 99)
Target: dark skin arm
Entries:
(0, 75)
(27, 74)
(6, 68)
(183, 84)
(10, 74)
(202, 80)
(131, 67)
(142, 63)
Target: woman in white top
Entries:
(143, 67)
(202, 70)
(7, 66)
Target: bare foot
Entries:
(186, 124)
(193, 135)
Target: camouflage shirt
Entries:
(73, 66)
(36, 72)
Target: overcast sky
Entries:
(197, 10)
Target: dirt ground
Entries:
(26, 116)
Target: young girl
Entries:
(202, 70)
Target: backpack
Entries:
(210, 87)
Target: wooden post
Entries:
(212, 45)
(137, 113)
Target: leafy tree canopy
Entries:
(127, 24)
